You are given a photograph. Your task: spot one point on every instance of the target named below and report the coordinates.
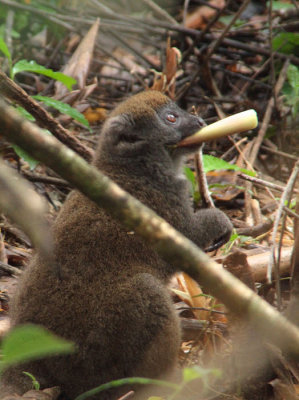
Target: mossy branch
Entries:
(170, 244)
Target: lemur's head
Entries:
(147, 123)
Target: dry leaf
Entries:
(198, 19)
(95, 115)
(78, 65)
(195, 297)
(165, 82)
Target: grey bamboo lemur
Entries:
(112, 301)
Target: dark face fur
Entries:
(147, 125)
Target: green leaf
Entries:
(155, 398)
(194, 191)
(190, 176)
(63, 108)
(213, 163)
(30, 342)
(19, 151)
(226, 20)
(208, 296)
(189, 374)
(280, 5)
(35, 383)
(196, 372)
(4, 49)
(291, 89)
(293, 76)
(126, 381)
(25, 113)
(24, 65)
(25, 156)
(286, 42)
(45, 7)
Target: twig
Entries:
(279, 153)
(220, 38)
(185, 11)
(127, 396)
(34, 177)
(290, 212)
(147, 62)
(264, 183)
(3, 255)
(169, 243)
(258, 140)
(284, 197)
(293, 306)
(256, 73)
(202, 309)
(241, 76)
(160, 12)
(202, 179)
(271, 58)
(40, 12)
(213, 20)
(8, 29)
(256, 49)
(241, 152)
(10, 269)
(256, 230)
(206, 29)
(226, 41)
(16, 232)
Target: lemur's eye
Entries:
(171, 118)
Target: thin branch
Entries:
(279, 153)
(263, 183)
(40, 12)
(262, 131)
(8, 269)
(51, 180)
(202, 179)
(160, 12)
(293, 306)
(284, 197)
(220, 38)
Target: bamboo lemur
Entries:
(112, 301)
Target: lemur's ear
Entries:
(118, 123)
(121, 135)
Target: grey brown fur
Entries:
(112, 301)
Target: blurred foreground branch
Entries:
(25, 207)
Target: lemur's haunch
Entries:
(112, 301)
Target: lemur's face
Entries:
(148, 123)
(178, 124)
